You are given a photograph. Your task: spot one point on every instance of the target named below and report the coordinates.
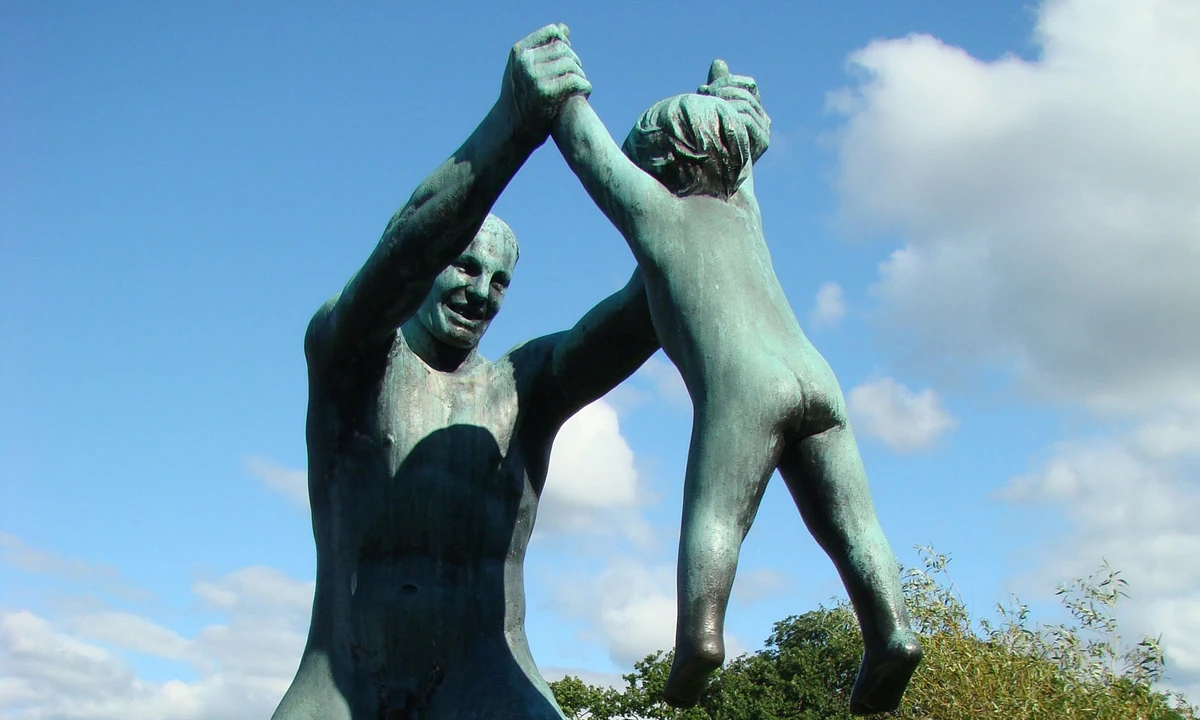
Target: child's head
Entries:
(693, 145)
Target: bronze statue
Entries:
(426, 460)
(681, 191)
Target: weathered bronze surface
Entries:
(426, 460)
(681, 191)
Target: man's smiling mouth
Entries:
(464, 316)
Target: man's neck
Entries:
(436, 354)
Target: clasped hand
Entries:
(543, 72)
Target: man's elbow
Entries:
(316, 336)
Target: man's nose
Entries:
(478, 289)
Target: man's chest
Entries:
(430, 464)
(472, 411)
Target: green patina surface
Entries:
(681, 191)
(426, 460)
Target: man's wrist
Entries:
(506, 114)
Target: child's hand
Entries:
(742, 91)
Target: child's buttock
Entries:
(795, 392)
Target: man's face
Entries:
(467, 294)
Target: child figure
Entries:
(682, 195)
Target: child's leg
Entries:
(730, 460)
(825, 475)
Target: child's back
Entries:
(719, 310)
(764, 398)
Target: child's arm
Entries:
(626, 195)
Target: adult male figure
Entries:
(425, 460)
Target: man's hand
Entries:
(742, 91)
(542, 73)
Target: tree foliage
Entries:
(1002, 668)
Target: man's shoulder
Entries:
(531, 353)
(330, 356)
(317, 334)
(531, 365)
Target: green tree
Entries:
(805, 671)
(580, 701)
(1004, 668)
(1008, 669)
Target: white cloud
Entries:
(591, 465)
(1137, 508)
(1049, 213)
(667, 381)
(268, 615)
(50, 675)
(129, 631)
(49, 658)
(1049, 205)
(256, 587)
(629, 608)
(289, 482)
(830, 307)
(750, 586)
(592, 485)
(51, 671)
(17, 554)
(902, 419)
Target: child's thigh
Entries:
(729, 465)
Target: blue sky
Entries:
(984, 214)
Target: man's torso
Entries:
(424, 489)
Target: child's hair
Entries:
(692, 144)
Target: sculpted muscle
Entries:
(764, 398)
(426, 460)
(421, 496)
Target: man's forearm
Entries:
(442, 217)
(606, 346)
(447, 208)
(436, 224)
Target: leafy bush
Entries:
(990, 669)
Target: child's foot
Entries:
(884, 675)
(689, 673)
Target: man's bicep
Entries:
(323, 344)
(377, 300)
(357, 319)
(605, 347)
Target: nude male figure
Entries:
(681, 192)
(426, 460)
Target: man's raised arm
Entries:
(447, 209)
(606, 346)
